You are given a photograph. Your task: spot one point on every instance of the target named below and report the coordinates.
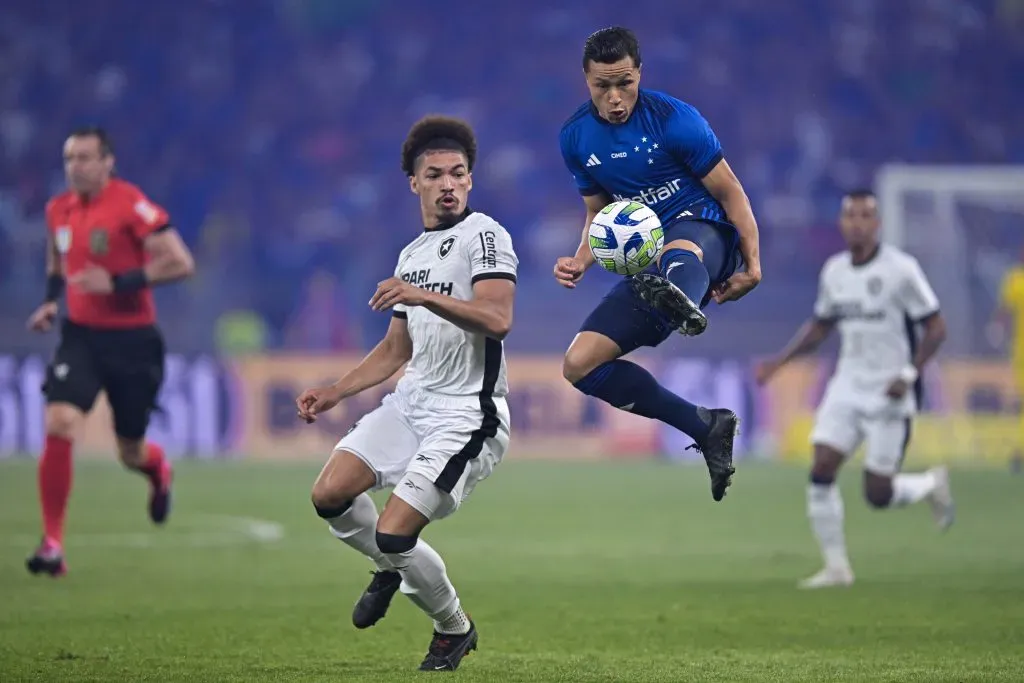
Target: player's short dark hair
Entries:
(101, 135)
(438, 133)
(860, 193)
(610, 45)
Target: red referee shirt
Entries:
(108, 231)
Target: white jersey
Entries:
(446, 359)
(876, 306)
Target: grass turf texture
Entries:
(609, 572)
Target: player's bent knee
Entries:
(827, 461)
(575, 372)
(877, 490)
(393, 544)
(576, 366)
(588, 351)
(328, 501)
(63, 420)
(685, 245)
(330, 510)
(131, 452)
(877, 498)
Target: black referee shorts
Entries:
(127, 364)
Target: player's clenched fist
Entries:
(42, 319)
(396, 291)
(312, 402)
(568, 271)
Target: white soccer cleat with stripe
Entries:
(941, 499)
(829, 577)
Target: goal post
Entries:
(965, 225)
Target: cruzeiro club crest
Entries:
(875, 286)
(446, 247)
(62, 239)
(99, 242)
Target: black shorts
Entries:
(127, 364)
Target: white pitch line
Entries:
(260, 530)
(226, 530)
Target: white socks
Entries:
(424, 577)
(911, 488)
(357, 528)
(825, 511)
(425, 581)
(456, 623)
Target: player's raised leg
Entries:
(593, 365)
(132, 369)
(149, 460)
(825, 512)
(886, 487)
(339, 497)
(424, 575)
(696, 255)
(678, 291)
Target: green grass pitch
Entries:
(589, 572)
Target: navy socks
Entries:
(629, 387)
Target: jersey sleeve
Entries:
(916, 293)
(824, 306)
(144, 216)
(585, 183)
(399, 310)
(691, 140)
(51, 215)
(491, 256)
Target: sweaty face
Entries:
(443, 182)
(614, 88)
(86, 167)
(858, 221)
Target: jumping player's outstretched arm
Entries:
(569, 269)
(378, 366)
(724, 186)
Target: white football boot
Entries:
(829, 577)
(941, 499)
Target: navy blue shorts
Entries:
(628, 321)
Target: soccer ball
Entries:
(626, 237)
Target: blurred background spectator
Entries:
(271, 131)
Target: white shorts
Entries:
(432, 449)
(844, 425)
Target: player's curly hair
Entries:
(432, 133)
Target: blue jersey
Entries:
(658, 157)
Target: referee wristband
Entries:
(131, 281)
(54, 287)
(908, 374)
